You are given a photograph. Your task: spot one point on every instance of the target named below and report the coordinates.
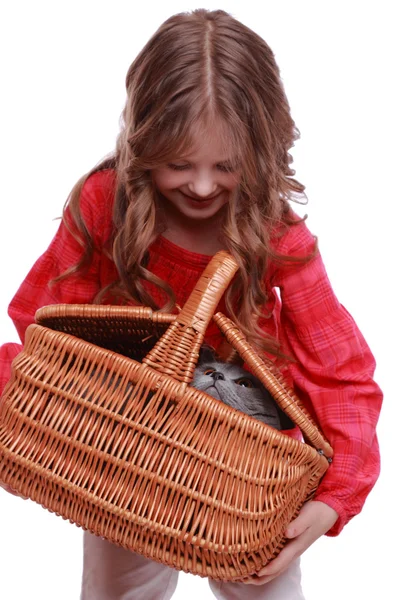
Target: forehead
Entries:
(230, 368)
(211, 141)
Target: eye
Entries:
(209, 371)
(245, 382)
(226, 168)
(177, 167)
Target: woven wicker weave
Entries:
(100, 425)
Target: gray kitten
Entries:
(238, 388)
(229, 383)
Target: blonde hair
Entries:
(197, 68)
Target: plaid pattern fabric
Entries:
(333, 368)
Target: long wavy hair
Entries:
(198, 68)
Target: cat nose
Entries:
(217, 376)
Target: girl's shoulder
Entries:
(97, 199)
(100, 185)
(293, 238)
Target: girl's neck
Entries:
(202, 237)
(198, 241)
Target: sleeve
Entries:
(64, 251)
(7, 354)
(332, 374)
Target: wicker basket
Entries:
(100, 425)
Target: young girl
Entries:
(202, 163)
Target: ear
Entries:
(286, 422)
(206, 354)
(228, 354)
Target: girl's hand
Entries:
(315, 519)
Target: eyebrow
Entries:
(227, 161)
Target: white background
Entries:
(63, 67)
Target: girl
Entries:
(202, 163)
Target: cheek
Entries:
(232, 182)
(167, 179)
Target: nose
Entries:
(217, 376)
(203, 185)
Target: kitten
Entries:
(231, 384)
(236, 387)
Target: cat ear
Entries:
(286, 422)
(228, 354)
(206, 354)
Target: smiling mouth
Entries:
(201, 199)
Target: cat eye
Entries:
(209, 371)
(245, 382)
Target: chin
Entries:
(204, 215)
(199, 210)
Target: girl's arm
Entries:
(332, 375)
(64, 251)
(37, 289)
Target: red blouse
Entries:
(333, 374)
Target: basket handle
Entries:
(275, 383)
(176, 353)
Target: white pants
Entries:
(112, 573)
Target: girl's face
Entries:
(198, 185)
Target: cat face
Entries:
(238, 388)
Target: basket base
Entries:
(174, 553)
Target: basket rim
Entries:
(94, 313)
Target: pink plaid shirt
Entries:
(333, 371)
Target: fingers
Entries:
(314, 515)
(277, 566)
(302, 522)
(314, 519)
